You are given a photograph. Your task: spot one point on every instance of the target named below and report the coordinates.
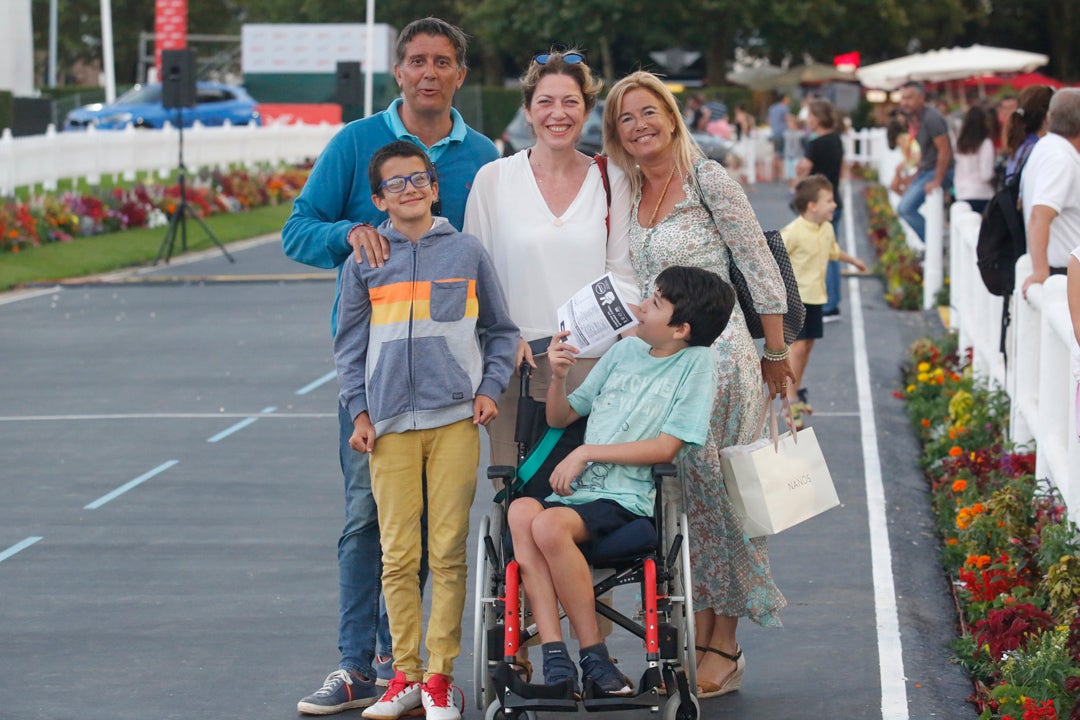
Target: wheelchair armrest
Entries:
(501, 472)
(663, 470)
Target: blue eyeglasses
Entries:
(568, 58)
(397, 184)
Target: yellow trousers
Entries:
(450, 455)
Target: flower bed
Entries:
(1007, 544)
(63, 217)
(897, 262)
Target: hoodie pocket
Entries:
(388, 388)
(439, 380)
(448, 298)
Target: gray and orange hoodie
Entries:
(420, 337)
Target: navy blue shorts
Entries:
(601, 517)
(813, 328)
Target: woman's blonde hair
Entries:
(686, 151)
(557, 65)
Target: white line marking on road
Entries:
(18, 295)
(129, 485)
(18, 547)
(239, 426)
(321, 381)
(894, 704)
(156, 416)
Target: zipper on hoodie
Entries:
(409, 352)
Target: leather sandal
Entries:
(523, 668)
(731, 683)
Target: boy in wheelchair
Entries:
(647, 397)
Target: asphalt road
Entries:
(170, 501)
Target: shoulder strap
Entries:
(601, 164)
(701, 194)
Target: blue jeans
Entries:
(915, 196)
(362, 617)
(913, 199)
(832, 273)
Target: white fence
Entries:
(52, 157)
(871, 147)
(1039, 345)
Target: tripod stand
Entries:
(179, 216)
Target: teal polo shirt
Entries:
(457, 132)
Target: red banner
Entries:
(848, 62)
(170, 28)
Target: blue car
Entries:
(141, 107)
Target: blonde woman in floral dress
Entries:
(645, 136)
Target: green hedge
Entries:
(499, 106)
(7, 110)
(83, 94)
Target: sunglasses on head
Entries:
(568, 58)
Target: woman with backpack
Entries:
(1026, 125)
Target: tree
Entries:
(79, 29)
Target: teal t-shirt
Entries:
(631, 395)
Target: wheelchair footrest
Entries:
(517, 694)
(647, 698)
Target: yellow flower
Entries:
(924, 367)
(923, 377)
(911, 388)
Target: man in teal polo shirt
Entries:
(330, 223)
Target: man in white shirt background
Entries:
(1050, 190)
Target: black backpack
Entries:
(1002, 239)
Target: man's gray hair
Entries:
(1065, 113)
(434, 26)
(916, 86)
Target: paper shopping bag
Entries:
(777, 483)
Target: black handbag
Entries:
(796, 311)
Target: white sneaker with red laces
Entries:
(437, 694)
(402, 698)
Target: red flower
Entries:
(1009, 628)
(1039, 711)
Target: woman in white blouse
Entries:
(973, 178)
(548, 222)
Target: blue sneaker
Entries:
(342, 690)
(598, 671)
(559, 669)
(384, 670)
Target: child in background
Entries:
(811, 243)
(417, 382)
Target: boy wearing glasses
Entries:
(424, 346)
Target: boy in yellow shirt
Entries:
(811, 244)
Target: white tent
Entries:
(756, 77)
(949, 64)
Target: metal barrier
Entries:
(47, 159)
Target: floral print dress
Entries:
(731, 571)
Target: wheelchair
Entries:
(651, 553)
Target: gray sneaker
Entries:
(342, 690)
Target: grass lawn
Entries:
(102, 253)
